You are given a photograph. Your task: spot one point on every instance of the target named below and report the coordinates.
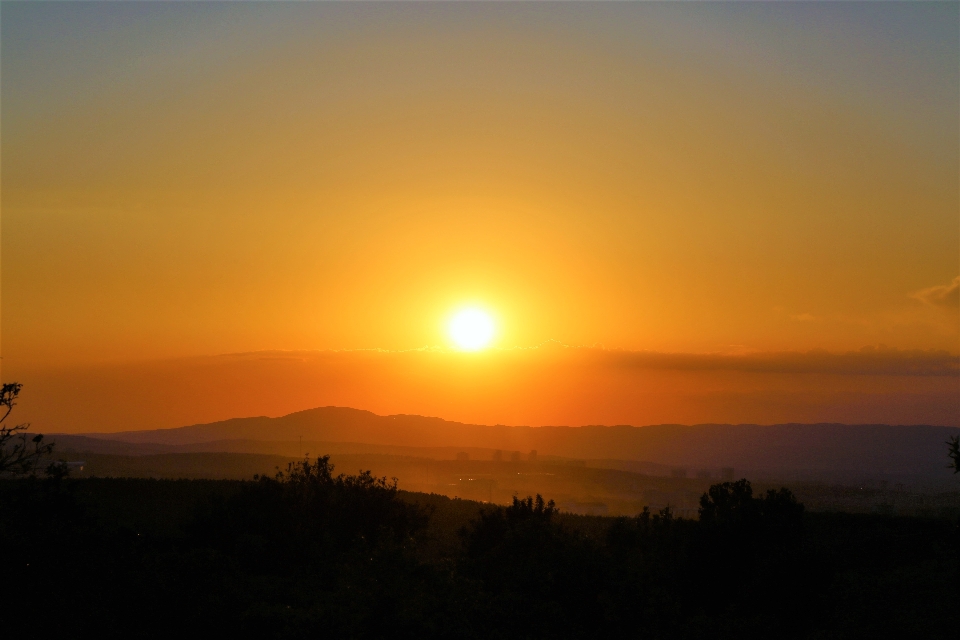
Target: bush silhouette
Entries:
(306, 514)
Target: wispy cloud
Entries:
(942, 295)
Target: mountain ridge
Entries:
(917, 449)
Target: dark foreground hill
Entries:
(784, 448)
(314, 555)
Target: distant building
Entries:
(678, 473)
(704, 474)
(497, 455)
(726, 474)
(532, 457)
(515, 456)
(463, 455)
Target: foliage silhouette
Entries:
(953, 450)
(307, 552)
(731, 508)
(313, 547)
(308, 508)
(20, 454)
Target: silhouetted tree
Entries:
(539, 578)
(754, 542)
(308, 513)
(308, 548)
(953, 446)
(20, 454)
(731, 505)
(526, 517)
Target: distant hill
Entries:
(870, 449)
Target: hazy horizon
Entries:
(548, 385)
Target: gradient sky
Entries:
(198, 179)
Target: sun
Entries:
(471, 329)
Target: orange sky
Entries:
(187, 180)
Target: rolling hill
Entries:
(784, 448)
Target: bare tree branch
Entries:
(953, 444)
(20, 454)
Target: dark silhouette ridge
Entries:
(874, 448)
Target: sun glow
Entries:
(471, 329)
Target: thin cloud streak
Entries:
(944, 295)
(870, 360)
(867, 361)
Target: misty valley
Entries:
(577, 486)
